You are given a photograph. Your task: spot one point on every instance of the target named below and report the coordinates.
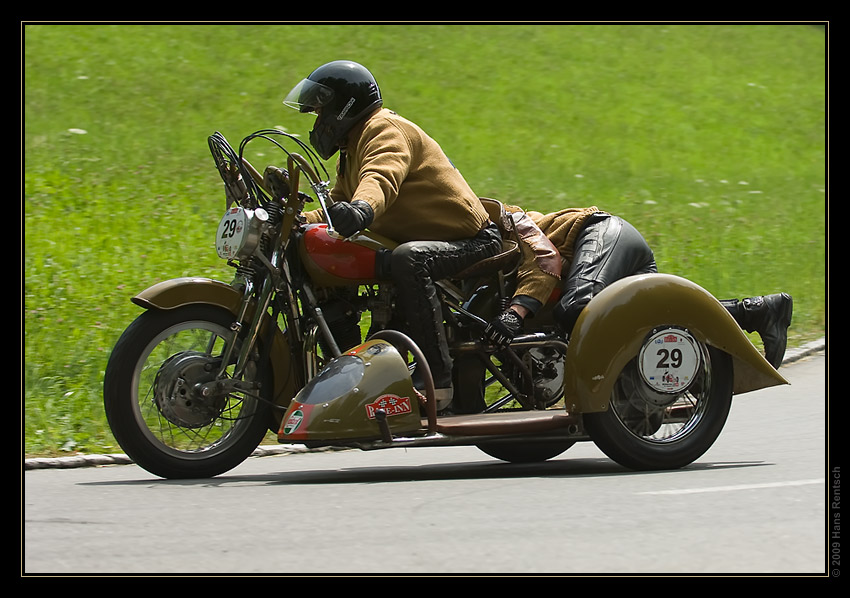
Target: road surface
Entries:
(755, 503)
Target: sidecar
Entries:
(649, 374)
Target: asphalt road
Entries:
(756, 503)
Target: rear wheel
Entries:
(644, 429)
(160, 403)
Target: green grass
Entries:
(709, 138)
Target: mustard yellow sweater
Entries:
(415, 192)
(561, 228)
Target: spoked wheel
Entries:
(165, 403)
(490, 394)
(645, 429)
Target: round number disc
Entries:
(230, 234)
(669, 360)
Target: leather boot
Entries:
(770, 316)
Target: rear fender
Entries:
(171, 294)
(613, 326)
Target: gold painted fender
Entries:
(613, 326)
(177, 292)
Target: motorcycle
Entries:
(208, 369)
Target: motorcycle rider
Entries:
(397, 181)
(590, 249)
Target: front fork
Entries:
(237, 381)
(307, 338)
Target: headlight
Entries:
(239, 232)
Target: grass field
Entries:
(711, 139)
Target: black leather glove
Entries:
(349, 218)
(504, 328)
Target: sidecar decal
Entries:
(391, 404)
(293, 422)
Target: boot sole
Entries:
(788, 309)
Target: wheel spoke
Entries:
(659, 423)
(206, 347)
(650, 428)
(166, 404)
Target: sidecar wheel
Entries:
(153, 405)
(641, 434)
(525, 451)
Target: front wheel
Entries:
(644, 430)
(158, 401)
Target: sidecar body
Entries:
(366, 399)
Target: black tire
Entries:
(628, 432)
(526, 451)
(192, 436)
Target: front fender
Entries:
(612, 327)
(174, 293)
(170, 294)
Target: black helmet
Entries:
(345, 91)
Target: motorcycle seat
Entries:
(507, 259)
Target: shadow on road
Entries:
(572, 468)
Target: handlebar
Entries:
(227, 160)
(318, 186)
(305, 166)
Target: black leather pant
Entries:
(607, 249)
(414, 267)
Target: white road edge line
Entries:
(737, 487)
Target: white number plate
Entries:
(669, 360)
(231, 231)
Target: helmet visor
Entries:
(308, 95)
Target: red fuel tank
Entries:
(334, 261)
